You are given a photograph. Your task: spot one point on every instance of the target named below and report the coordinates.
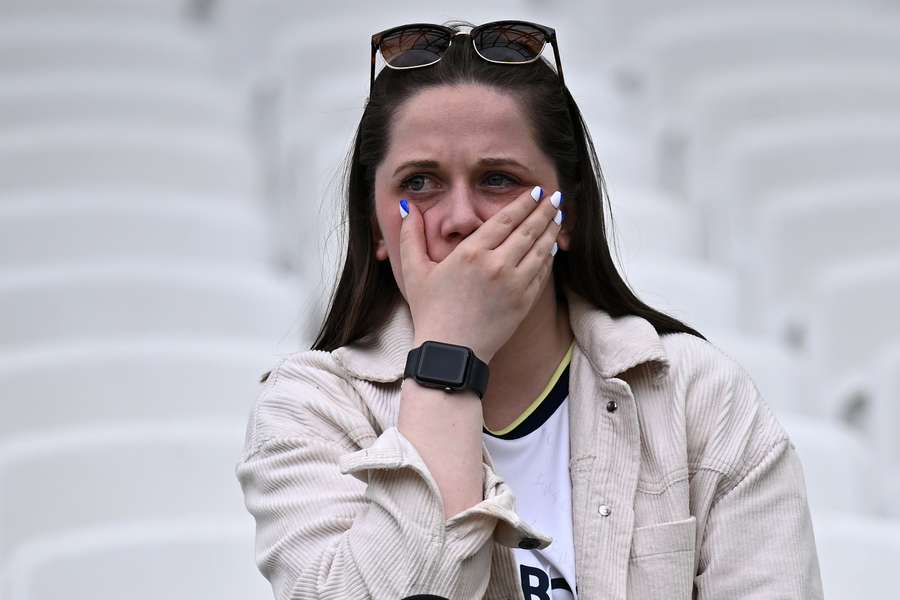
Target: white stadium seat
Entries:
(31, 45)
(628, 19)
(104, 157)
(766, 162)
(890, 484)
(141, 100)
(838, 464)
(883, 420)
(782, 374)
(600, 101)
(852, 320)
(671, 55)
(257, 35)
(252, 30)
(88, 477)
(858, 554)
(701, 294)
(312, 147)
(69, 385)
(311, 204)
(727, 105)
(68, 228)
(624, 154)
(803, 231)
(133, 300)
(646, 222)
(176, 559)
(174, 10)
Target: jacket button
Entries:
(611, 406)
(605, 510)
(529, 543)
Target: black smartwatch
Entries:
(447, 366)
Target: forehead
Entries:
(461, 121)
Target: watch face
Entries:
(443, 364)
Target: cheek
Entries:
(389, 226)
(392, 245)
(392, 248)
(493, 209)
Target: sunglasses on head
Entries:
(503, 42)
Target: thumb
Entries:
(413, 254)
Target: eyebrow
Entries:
(484, 162)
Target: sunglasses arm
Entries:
(372, 72)
(558, 62)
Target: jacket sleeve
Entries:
(758, 541)
(343, 523)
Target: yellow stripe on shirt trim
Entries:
(533, 406)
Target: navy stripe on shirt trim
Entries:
(542, 413)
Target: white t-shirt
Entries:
(532, 456)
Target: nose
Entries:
(458, 212)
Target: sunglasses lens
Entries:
(510, 43)
(414, 46)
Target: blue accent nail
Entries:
(404, 208)
(561, 198)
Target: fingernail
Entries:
(554, 249)
(537, 193)
(556, 199)
(404, 208)
(559, 217)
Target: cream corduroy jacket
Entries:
(684, 484)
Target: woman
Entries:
(516, 422)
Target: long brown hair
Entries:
(367, 291)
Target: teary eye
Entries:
(503, 176)
(415, 183)
(407, 184)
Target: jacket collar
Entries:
(611, 344)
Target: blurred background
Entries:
(170, 179)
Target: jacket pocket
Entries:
(662, 560)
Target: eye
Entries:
(502, 176)
(410, 182)
(414, 183)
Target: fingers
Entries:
(413, 251)
(539, 258)
(495, 230)
(523, 238)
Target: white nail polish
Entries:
(555, 199)
(554, 249)
(558, 218)
(537, 193)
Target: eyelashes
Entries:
(405, 185)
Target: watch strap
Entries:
(478, 376)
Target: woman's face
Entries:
(456, 129)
